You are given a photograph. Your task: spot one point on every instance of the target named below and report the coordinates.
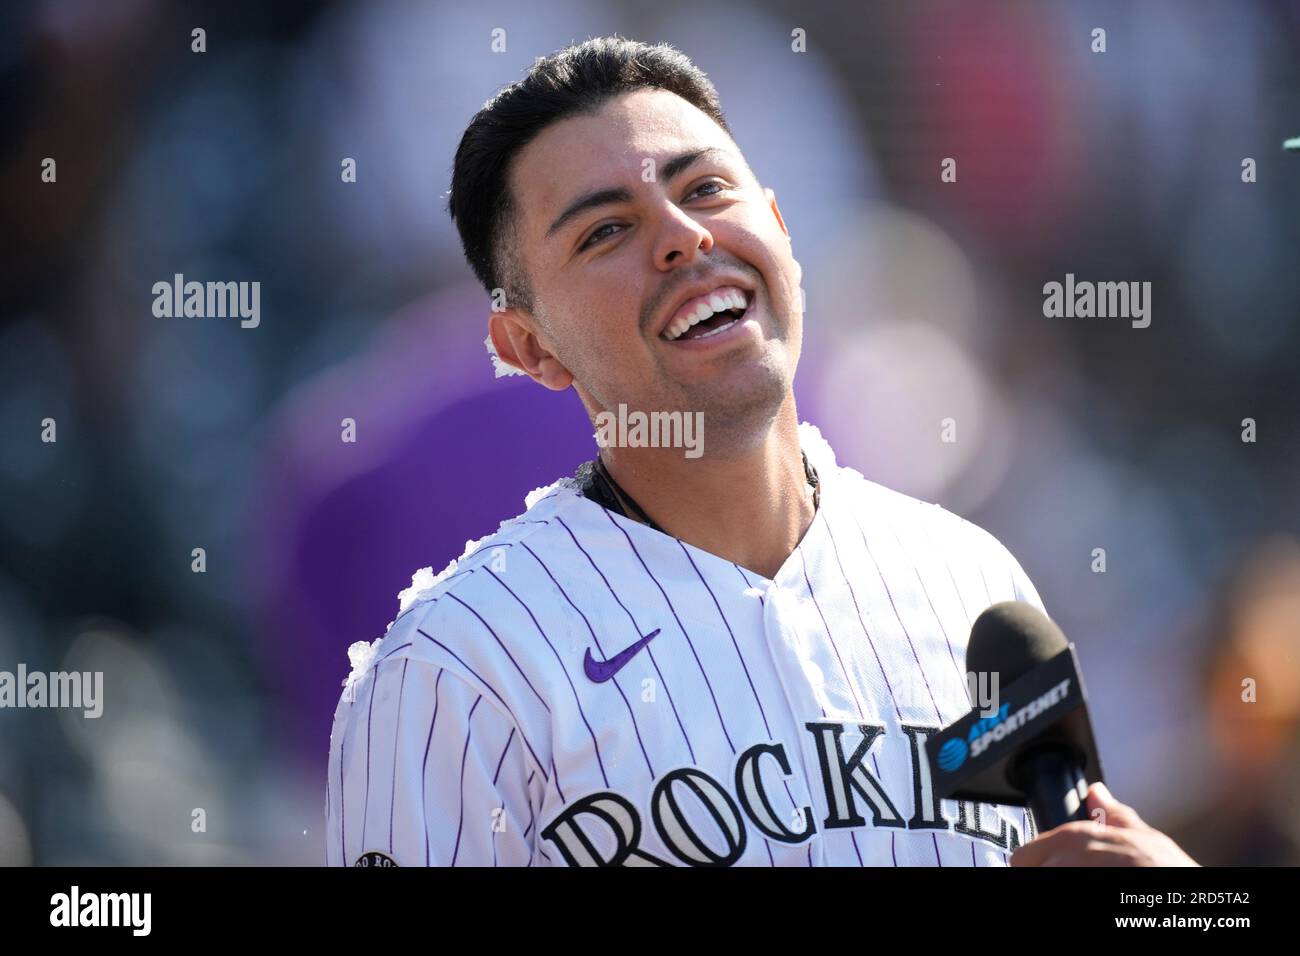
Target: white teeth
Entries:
(715, 303)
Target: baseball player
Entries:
(726, 654)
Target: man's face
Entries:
(681, 216)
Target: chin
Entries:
(745, 396)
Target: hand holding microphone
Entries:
(1032, 745)
(1114, 835)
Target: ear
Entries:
(514, 337)
(776, 210)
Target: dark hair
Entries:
(575, 80)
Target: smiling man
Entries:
(729, 658)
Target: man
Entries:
(728, 657)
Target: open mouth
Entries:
(711, 315)
(718, 322)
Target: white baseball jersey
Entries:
(580, 689)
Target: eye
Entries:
(711, 182)
(596, 234)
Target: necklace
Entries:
(601, 487)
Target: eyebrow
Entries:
(604, 197)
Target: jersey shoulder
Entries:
(530, 529)
(493, 616)
(933, 524)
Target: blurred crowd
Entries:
(924, 302)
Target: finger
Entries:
(1065, 841)
(1094, 853)
(1037, 850)
(1105, 809)
(1030, 854)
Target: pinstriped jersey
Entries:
(580, 689)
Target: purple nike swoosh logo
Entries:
(601, 671)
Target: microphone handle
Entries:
(1055, 785)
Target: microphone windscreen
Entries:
(1011, 639)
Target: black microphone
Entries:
(1029, 741)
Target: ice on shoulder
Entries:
(425, 580)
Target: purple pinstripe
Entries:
(910, 644)
(502, 761)
(343, 816)
(370, 711)
(934, 703)
(894, 607)
(917, 571)
(966, 611)
(863, 624)
(938, 620)
(630, 712)
(503, 647)
(757, 700)
(682, 627)
(397, 736)
(636, 628)
(540, 766)
(934, 839)
(831, 637)
(528, 783)
(424, 769)
(577, 700)
(392, 652)
(761, 603)
(988, 593)
(464, 754)
(835, 647)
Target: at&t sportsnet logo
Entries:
(953, 754)
(989, 730)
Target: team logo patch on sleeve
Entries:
(375, 858)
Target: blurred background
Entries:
(924, 302)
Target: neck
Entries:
(749, 503)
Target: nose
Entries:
(681, 239)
